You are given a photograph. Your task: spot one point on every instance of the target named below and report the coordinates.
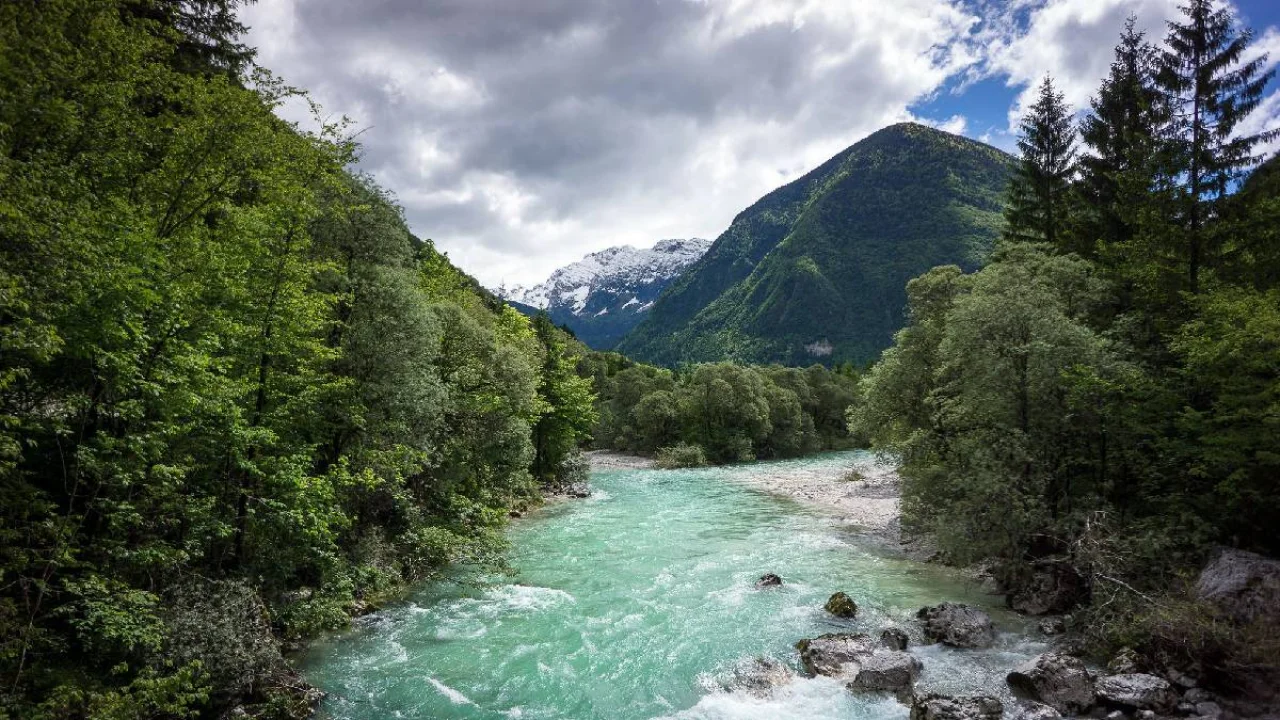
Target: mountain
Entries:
(816, 271)
(605, 294)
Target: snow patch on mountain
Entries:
(623, 271)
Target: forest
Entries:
(1111, 378)
(239, 401)
(716, 413)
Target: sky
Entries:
(520, 135)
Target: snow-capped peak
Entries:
(617, 269)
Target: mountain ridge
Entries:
(606, 293)
(816, 269)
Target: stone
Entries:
(894, 639)
(1032, 710)
(1146, 715)
(768, 580)
(1052, 626)
(1115, 715)
(1059, 681)
(515, 514)
(1245, 585)
(1138, 691)
(1196, 695)
(962, 707)
(887, 670)
(957, 625)
(859, 661)
(842, 606)
(760, 676)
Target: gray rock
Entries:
(957, 625)
(1115, 715)
(1146, 715)
(886, 670)
(859, 661)
(1196, 695)
(1059, 681)
(759, 676)
(841, 605)
(1186, 708)
(894, 639)
(1032, 710)
(1245, 585)
(768, 580)
(1138, 691)
(964, 707)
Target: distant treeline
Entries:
(1100, 404)
(720, 412)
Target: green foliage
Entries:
(1038, 190)
(729, 412)
(239, 401)
(815, 270)
(680, 455)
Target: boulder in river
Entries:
(1059, 681)
(859, 661)
(1245, 585)
(1032, 710)
(842, 606)
(760, 676)
(1137, 691)
(1052, 626)
(957, 625)
(893, 638)
(768, 580)
(961, 707)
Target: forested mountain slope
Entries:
(816, 270)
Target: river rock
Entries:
(1032, 710)
(1125, 661)
(1244, 585)
(859, 661)
(1059, 681)
(893, 638)
(964, 707)
(768, 580)
(887, 670)
(957, 625)
(760, 676)
(1138, 691)
(842, 606)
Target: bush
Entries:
(681, 455)
(575, 469)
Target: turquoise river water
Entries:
(639, 602)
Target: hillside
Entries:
(604, 295)
(816, 270)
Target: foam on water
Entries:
(634, 605)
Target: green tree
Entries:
(1038, 191)
(1211, 87)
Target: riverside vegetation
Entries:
(1110, 380)
(239, 402)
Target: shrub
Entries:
(575, 469)
(681, 455)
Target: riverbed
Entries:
(639, 603)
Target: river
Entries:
(638, 602)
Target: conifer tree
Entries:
(1121, 131)
(1038, 190)
(1211, 88)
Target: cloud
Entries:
(522, 135)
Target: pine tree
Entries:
(1211, 89)
(1038, 190)
(1121, 132)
